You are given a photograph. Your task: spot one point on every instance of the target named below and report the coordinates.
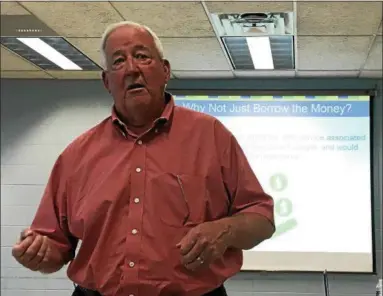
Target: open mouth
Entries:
(135, 86)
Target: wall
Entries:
(39, 118)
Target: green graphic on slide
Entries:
(285, 226)
(283, 207)
(278, 182)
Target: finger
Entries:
(32, 250)
(195, 252)
(24, 234)
(19, 249)
(188, 242)
(188, 246)
(34, 264)
(207, 255)
(204, 259)
(197, 264)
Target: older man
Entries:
(162, 198)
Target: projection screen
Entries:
(312, 154)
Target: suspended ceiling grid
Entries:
(333, 38)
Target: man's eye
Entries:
(141, 56)
(117, 61)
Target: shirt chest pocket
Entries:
(179, 200)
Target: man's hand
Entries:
(34, 251)
(204, 244)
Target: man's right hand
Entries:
(34, 251)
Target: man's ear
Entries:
(105, 80)
(167, 69)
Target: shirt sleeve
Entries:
(51, 216)
(245, 191)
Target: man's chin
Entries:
(137, 100)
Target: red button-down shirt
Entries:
(130, 199)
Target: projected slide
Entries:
(312, 154)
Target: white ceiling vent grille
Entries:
(254, 24)
(257, 40)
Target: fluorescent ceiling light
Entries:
(50, 53)
(260, 52)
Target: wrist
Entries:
(228, 232)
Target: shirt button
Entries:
(139, 142)
(156, 130)
(138, 170)
(136, 200)
(131, 264)
(134, 231)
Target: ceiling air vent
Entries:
(251, 24)
(254, 17)
(257, 40)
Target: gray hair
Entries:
(111, 28)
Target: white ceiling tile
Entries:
(194, 54)
(332, 53)
(371, 74)
(11, 61)
(339, 18)
(327, 1)
(88, 46)
(159, 1)
(238, 1)
(25, 75)
(75, 19)
(327, 73)
(208, 0)
(12, 8)
(76, 74)
(202, 74)
(168, 19)
(265, 73)
(374, 60)
(250, 6)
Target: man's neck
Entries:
(142, 121)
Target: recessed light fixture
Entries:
(50, 53)
(260, 52)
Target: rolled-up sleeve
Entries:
(245, 191)
(51, 216)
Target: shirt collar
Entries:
(164, 120)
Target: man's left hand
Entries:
(204, 243)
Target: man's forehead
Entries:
(129, 35)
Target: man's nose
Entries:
(130, 66)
